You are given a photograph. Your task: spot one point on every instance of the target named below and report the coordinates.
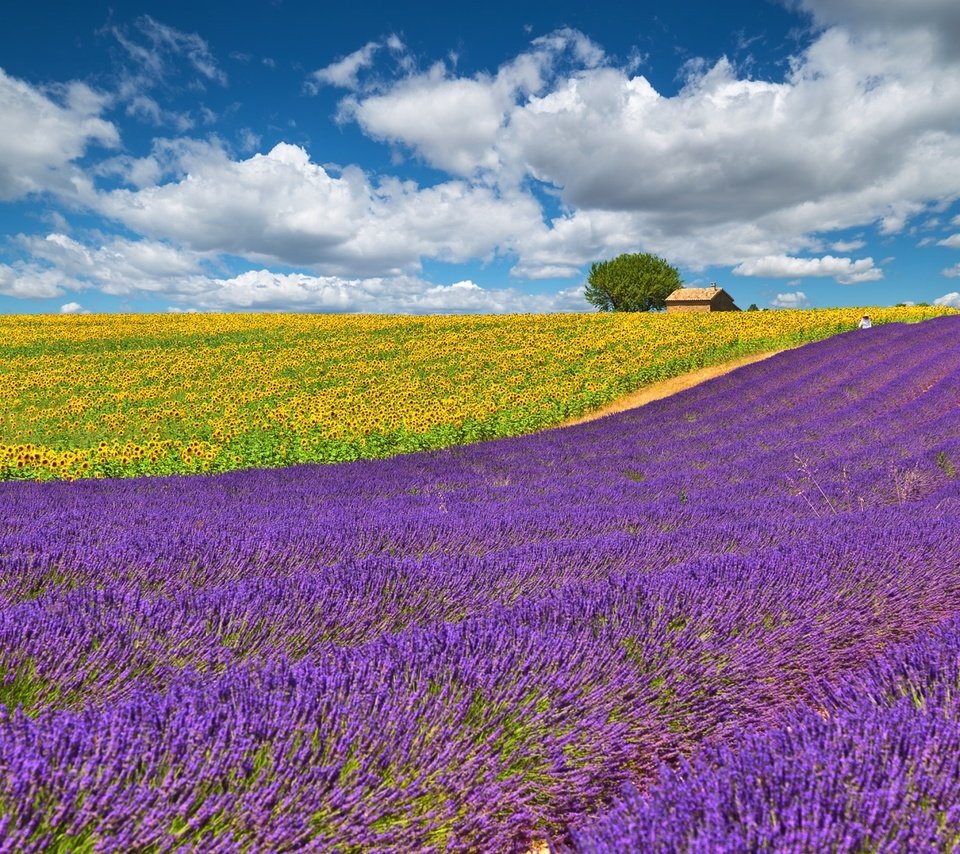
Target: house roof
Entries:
(697, 294)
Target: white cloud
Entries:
(282, 207)
(792, 157)
(952, 272)
(168, 159)
(454, 122)
(730, 171)
(136, 171)
(860, 132)
(584, 50)
(165, 42)
(42, 137)
(249, 141)
(148, 109)
(119, 267)
(951, 300)
(898, 213)
(32, 281)
(844, 270)
(940, 18)
(953, 241)
(73, 308)
(265, 290)
(161, 61)
(582, 236)
(343, 72)
(847, 245)
(124, 267)
(797, 299)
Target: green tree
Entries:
(631, 282)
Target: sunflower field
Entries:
(132, 395)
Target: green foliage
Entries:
(637, 282)
(945, 464)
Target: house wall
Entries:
(725, 305)
(688, 307)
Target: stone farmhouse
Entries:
(701, 299)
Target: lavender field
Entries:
(652, 631)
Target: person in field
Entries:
(865, 322)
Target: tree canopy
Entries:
(631, 282)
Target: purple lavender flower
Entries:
(477, 648)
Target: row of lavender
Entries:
(474, 648)
(876, 767)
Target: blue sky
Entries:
(441, 158)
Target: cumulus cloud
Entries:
(451, 122)
(266, 290)
(759, 176)
(33, 281)
(952, 272)
(860, 131)
(44, 133)
(169, 159)
(122, 267)
(454, 122)
(790, 156)
(118, 267)
(796, 299)
(941, 18)
(73, 308)
(844, 270)
(953, 241)
(951, 300)
(282, 207)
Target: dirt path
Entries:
(665, 388)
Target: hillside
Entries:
(476, 648)
(132, 395)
